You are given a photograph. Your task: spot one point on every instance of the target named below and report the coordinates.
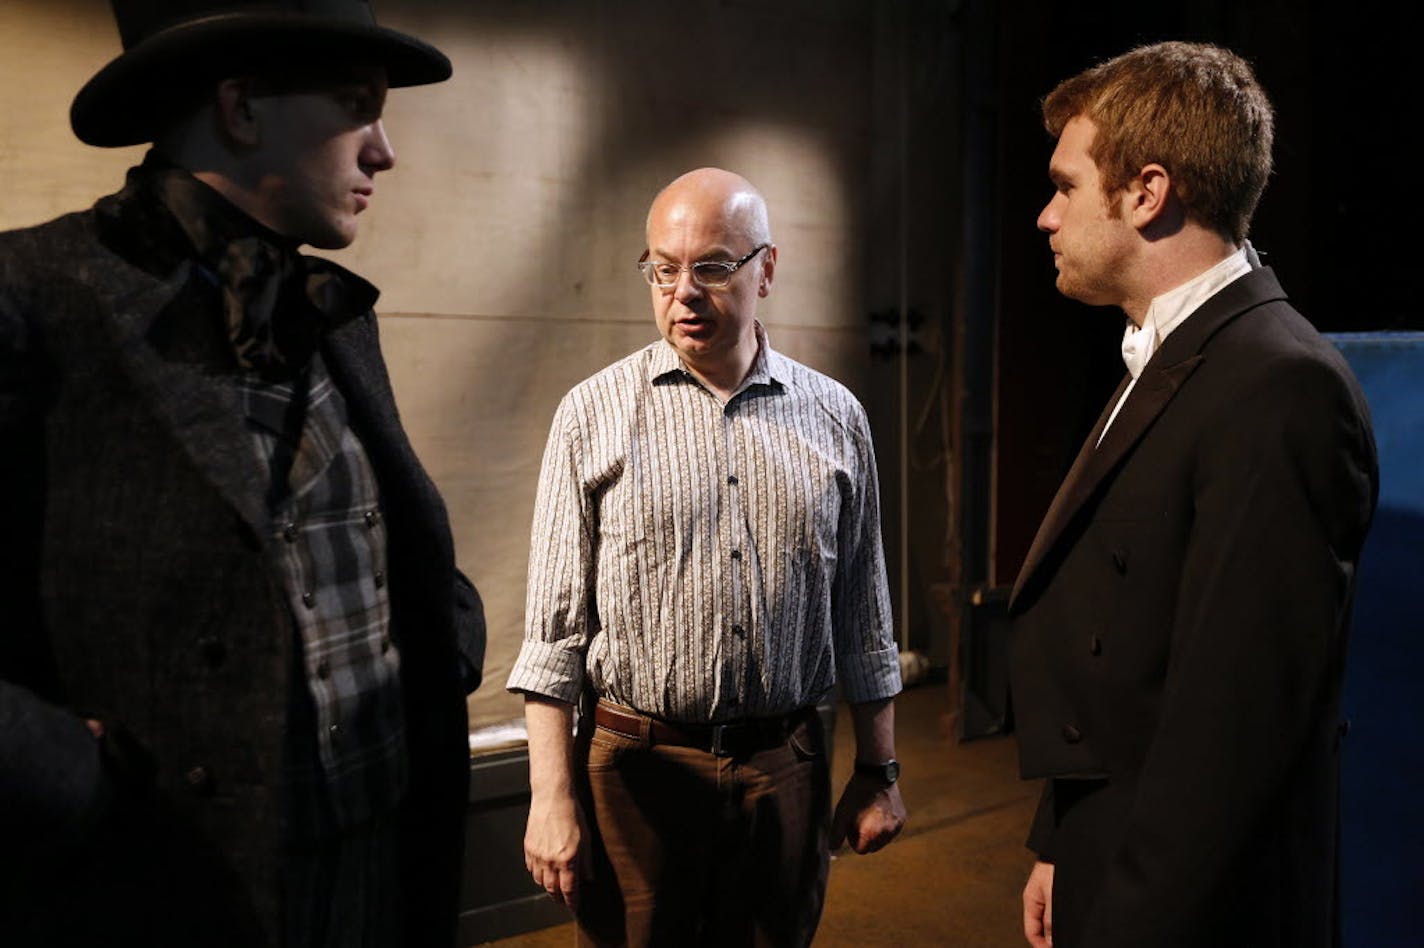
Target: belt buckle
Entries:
(718, 748)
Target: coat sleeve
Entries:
(470, 633)
(1283, 493)
(52, 783)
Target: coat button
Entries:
(1119, 558)
(732, 479)
(323, 670)
(738, 631)
(199, 780)
(308, 600)
(379, 578)
(1071, 734)
(213, 650)
(373, 518)
(736, 554)
(1095, 646)
(1342, 731)
(290, 532)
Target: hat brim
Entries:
(130, 100)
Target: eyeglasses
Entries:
(710, 274)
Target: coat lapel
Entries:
(198, 408)
(353, 357)
(1161, 379)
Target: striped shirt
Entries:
(708, 562)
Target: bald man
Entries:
(706, 565)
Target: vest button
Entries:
(1071, 734)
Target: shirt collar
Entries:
(1169, 310)
(768, 366)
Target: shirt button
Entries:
(213, 650)
(379, 578)
(1071, 734)
(373, 517)
(199, 780)
(308, 600)
(385, 644)
(334, 732)
(289, 532)
(732, 479)
(323, 670)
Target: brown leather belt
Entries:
(721, 740)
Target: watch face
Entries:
(887, 772)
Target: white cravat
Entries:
(1165, 313)
(1138, 344)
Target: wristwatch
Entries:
(887, 773)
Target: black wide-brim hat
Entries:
(174, 49)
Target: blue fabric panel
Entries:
(1382, 837)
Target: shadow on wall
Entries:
(518, 213)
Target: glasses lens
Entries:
(712, 274)
(659, 274)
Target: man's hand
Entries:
(1038, 906)
(868, 815)
(551, 838)
(551, 845)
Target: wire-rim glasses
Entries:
(709, 274)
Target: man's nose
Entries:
(686, 288)
(377, 153)
(1048, 217)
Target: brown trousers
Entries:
(686, 848)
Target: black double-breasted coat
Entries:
(137, 587)
(1180, 627)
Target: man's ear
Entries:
(768, 271)
(1148, 197)
(237, 119)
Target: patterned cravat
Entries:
(278, 303)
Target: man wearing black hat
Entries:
(235, 647)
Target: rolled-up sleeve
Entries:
(561, 570)
(867, 661)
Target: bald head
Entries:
(713, 197)
(711, 216)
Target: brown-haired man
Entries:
(235, 647)
(1180, 619)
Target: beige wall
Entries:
(505, 238)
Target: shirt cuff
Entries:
(551, 669)
(870, 676)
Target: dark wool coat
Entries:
(1180, 627)
(138, 587)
